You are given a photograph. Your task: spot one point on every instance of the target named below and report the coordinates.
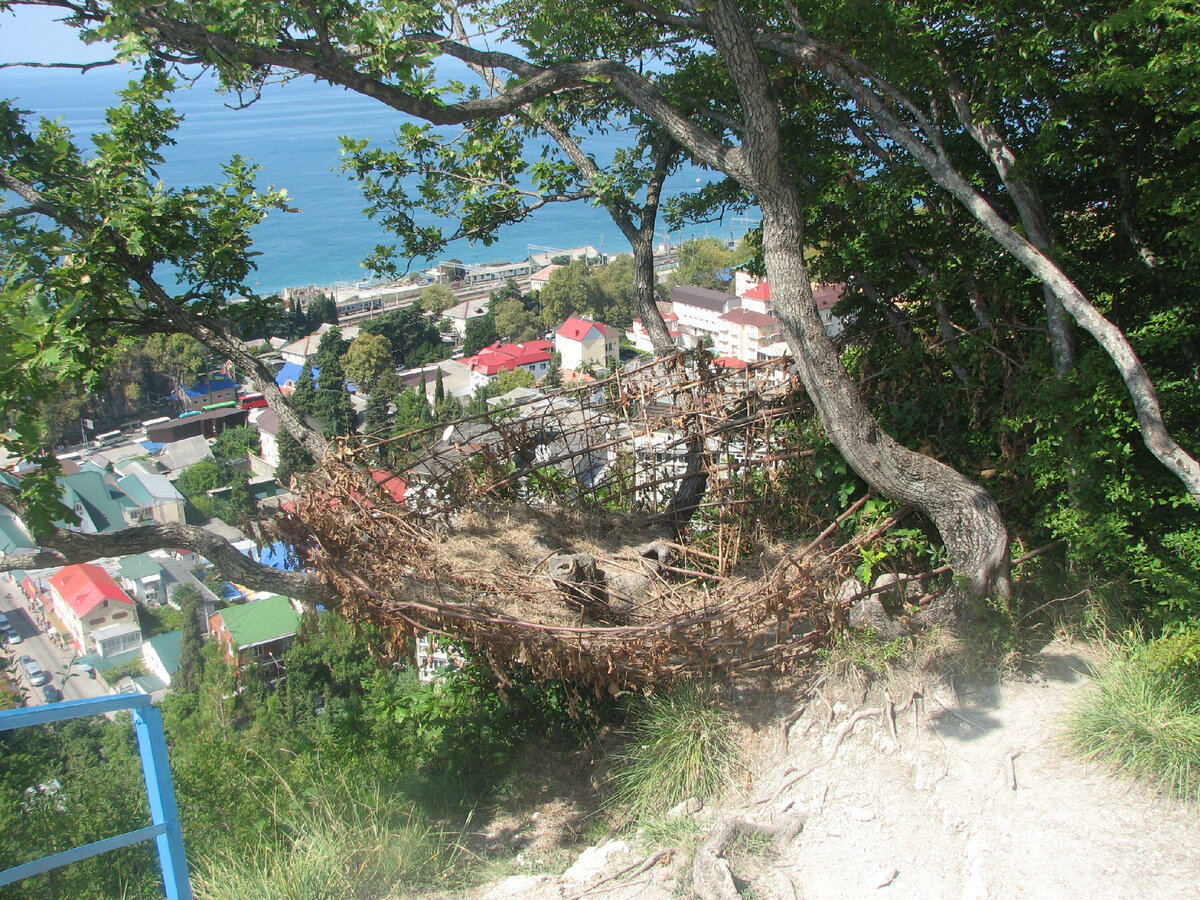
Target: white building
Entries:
(582, 342)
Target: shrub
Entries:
(1142, 720)
(680, 745)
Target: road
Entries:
(74, 684)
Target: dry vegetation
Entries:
(554, 537)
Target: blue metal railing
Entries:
(164, 817)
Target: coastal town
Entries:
(103, 627)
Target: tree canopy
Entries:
(907, 144)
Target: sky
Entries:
(33, 34)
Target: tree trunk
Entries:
(964, 513)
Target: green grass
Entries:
(1142, 721)
(680, 745)
(345, 842)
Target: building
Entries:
(699, 310)
(207, 390)
(461, 313)
(142, 578)
(156, 499)
(826, 296)
(496, 272)
(582, 342)
(256, 633)
(97, 613)
(538, 279)
(160, 655)
(488, 363)
(745, 333)
(200, 424)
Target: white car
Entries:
(13, 636)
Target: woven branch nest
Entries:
(457, 560)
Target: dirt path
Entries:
(972, 799)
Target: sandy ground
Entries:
(971, 798)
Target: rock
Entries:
(884, 877)
(517, 886)
(859, 814)
(591, 862)
(688, 807)
(849, 591)
(869, 613)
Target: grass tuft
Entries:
(346, 843)
(1141, 722)
(680, 745)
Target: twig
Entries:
(1012, 769)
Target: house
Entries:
(488, 363)
(156, 499)
(94, 609)
(305, 349)
(461, 313)
(289, 375)
(14, 538)
(178, 455)
(267, 423)
(639, 336)
(538, 279)
(142, 578)
(92, 494)
(256, 633)
(160, 655)
(699, 309)
(207, 390)
(582, 342)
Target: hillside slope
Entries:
(973, 798)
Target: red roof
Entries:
(729, 362)
(86, 585)
(826, 295)
(390, 482)
(577, 329)
(760, 291)
(501, 357)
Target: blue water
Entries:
(292, 133)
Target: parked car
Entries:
(36, 674)
(13, 636)
(4, 623)
(51, 693)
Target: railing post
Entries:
(161, 794)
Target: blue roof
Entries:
(291, 372)
(228, 592)
(209, 384)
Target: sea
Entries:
(291, 131)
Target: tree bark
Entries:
(963, 512)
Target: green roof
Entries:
(12, 536)
(89, 488)
(261, 620)
(167, 647)
(139, 566)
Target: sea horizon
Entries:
(292, 133)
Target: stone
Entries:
(884, 877)
(688, 807)
(591, 862)
(868, 613)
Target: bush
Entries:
(680, 745)
(1143, 720)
